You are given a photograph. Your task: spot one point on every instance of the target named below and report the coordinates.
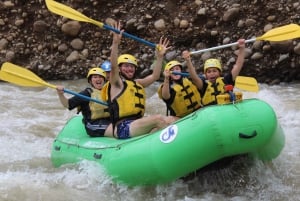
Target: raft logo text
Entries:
(169, 134)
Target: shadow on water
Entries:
(232, 176)
(229, 169)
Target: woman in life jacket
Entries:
(181, 96)
(96, 116)
(214, 84)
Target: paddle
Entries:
(70, 13)
(246, 83)
(282, 33)
(241, 82)
(23, 77)
(277, 34)
(181, 73)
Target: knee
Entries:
(171, 119)
(165, 120)
(159, 117)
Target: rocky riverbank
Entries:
(55, 47)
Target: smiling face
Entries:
(97, 81)
(212, 74)
(128, 70)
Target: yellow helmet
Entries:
(96, 71)
(171, 64)
(127, 58)
(212, 63)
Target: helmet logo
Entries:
(129, 60)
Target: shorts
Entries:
(97, 128)
(123, 131)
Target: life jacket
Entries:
(129, 104)
(213, 89)
(98, 110)
(187, 98)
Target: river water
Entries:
(32, 117)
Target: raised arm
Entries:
(193, 74)
(165, 90)
(115, 79)
(161, 49)
(240, 59)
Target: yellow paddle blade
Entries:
(282, 33)
(8, 77)
(21, 76)
(246, 83)
(70, 13)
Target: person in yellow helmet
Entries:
(180, 95)
(215, 83)
(126, 94)
(96, 117)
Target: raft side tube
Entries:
(165, 155)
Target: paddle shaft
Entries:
(68, 91)
(221, 46)
(85, 97)
(130, 36)
(181, 73)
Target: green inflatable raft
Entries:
(191, 143)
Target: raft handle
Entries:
(97, 156)
(246, 136)
(57, 148)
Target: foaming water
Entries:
(31, 118)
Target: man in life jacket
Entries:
(126, 94)
(214, 83)
(180, 95)
(96, 116)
